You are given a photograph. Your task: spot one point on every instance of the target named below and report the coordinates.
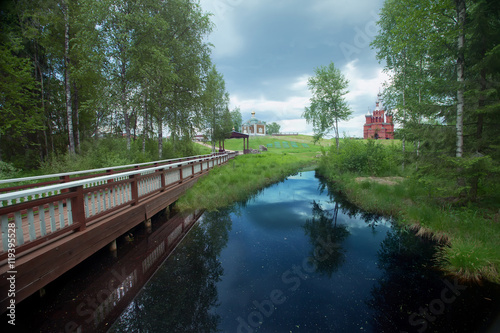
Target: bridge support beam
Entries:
(112, 246)
(148, 225)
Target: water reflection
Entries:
(413, 296)
(326, 238)
(179, 297)
(300, 258)
(346, 207)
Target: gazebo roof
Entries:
(238, 135)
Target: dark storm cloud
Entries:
(266, 50)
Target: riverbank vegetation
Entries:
(241, 178)
(444, 67)
(247, 174)
(425, 197)
(103, 153)
(73, 72)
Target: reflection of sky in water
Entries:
(268, 240)
(230, 266)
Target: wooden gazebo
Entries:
(237, 135)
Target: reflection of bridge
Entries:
(49, 229)
(112, 290)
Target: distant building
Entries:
(254, 126)
(378, 125)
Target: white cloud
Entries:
(300, 84)
(363, 90)
(259, 45)
(287, 113)
(362, 83)
(295, 126)
(269, 110)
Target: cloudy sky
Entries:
(267, 50)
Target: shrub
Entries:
(362, 158)
(7, 170)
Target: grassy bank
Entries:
(304, 144)
(241, 178)
(469, 234)
(247, 174)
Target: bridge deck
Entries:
(67, 232)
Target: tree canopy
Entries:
(443, 59)
(273, 128)
(77, 70)
(328, 103)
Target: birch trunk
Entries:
(144, 125)
(67, 85)
(160, 134)
(460, 75)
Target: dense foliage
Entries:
(443, 58)
(273, 128)
(76, 70)
(363, 158)
(328, 102)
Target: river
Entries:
(296, 257)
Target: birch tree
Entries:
(328, 103)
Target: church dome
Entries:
(253, 120)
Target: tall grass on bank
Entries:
(238, 180)
(109, 152)
(102, 153)
(364, 157)
(469, 234)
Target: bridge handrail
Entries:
(72, 173)
(34, 192)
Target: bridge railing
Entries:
(60, 178)
(56, 210)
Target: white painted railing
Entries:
(42, 213)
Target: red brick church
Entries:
(378, 125)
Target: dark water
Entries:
(297, 258)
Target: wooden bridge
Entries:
(50, 227)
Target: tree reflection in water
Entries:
(346, 207)
(326, 237)
(410, 296)
(179, 296)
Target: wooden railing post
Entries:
(180, 174)
(110, 172)
(64, 179)
(162, 180)
(78, 208)
(192, 169)
(134, 188)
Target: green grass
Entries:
(241, 178)
(468, 236)
(276, 141)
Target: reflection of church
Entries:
(378, 125)
(254, 126)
